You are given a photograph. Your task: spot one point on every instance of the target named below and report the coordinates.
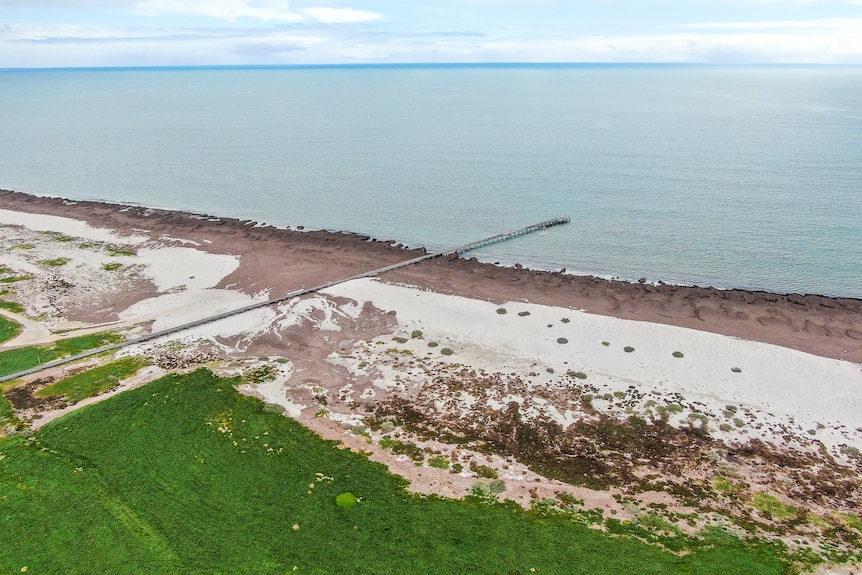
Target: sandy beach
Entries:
(520, 371)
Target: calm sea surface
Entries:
(745, 177)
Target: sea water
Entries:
(736, 177)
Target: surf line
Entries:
(291, 295)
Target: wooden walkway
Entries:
(288, 296)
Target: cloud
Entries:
(341, 15)
(817, 24)
(263, 10)
(266, 10)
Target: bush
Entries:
(446, 351)
(562, 340)
(439, 462)
(400, 339)
(606, 343)
(457, 468)
(735, 370)
(433, 344)
(497, 486)
(565, 320)
(112, 266)
(415, 334)
(346, 500)
(678, 354)
(523, 313)
(577, 374)
(628, 349)
(501, 310)
(483, 471)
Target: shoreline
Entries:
(450, 371)
(820, 325)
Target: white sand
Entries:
(778, 381)
(172, 268)
(68, 226)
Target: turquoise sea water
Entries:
(746, 177)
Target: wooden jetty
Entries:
(290, 295)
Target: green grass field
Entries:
(15, 360)
(185, 475)
(8, 329)
(93, 381)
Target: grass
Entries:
(769, 504)
(13, 279)
(185, 475)
(15, 360)
(112, 266)
(94, 381)
(54, 263)
(12, 306)
(8, 329)
(125, 253)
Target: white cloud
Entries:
(818, 24)
(341, 15)
(266, 10)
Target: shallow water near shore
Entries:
(745, 177)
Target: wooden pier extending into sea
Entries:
(290, 295)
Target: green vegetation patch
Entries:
(185, 475)
(12, 306)
(771, 505)
(124, 253)
(8, 329)
(678, 354)
(94, 381)
(346, 500)
(112, 266)
(15, 360)
(13, 279)
(54, 263)
(439, 462)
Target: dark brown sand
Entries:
(284, 260)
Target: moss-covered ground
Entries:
(8, 329)
(14, 360)
(94, 381)
(185, 475)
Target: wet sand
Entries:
(282, 260)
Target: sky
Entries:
(93, 33)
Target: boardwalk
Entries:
(288, 296)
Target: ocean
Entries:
(734, 177)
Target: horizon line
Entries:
(537, 64)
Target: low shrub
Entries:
(346, 500)
(416, 334)
(446, 351)
(562, 340)
(501, 310)
(483, 471)
(439, 462)
(628, 349)
(523, 313)
(678, 354)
